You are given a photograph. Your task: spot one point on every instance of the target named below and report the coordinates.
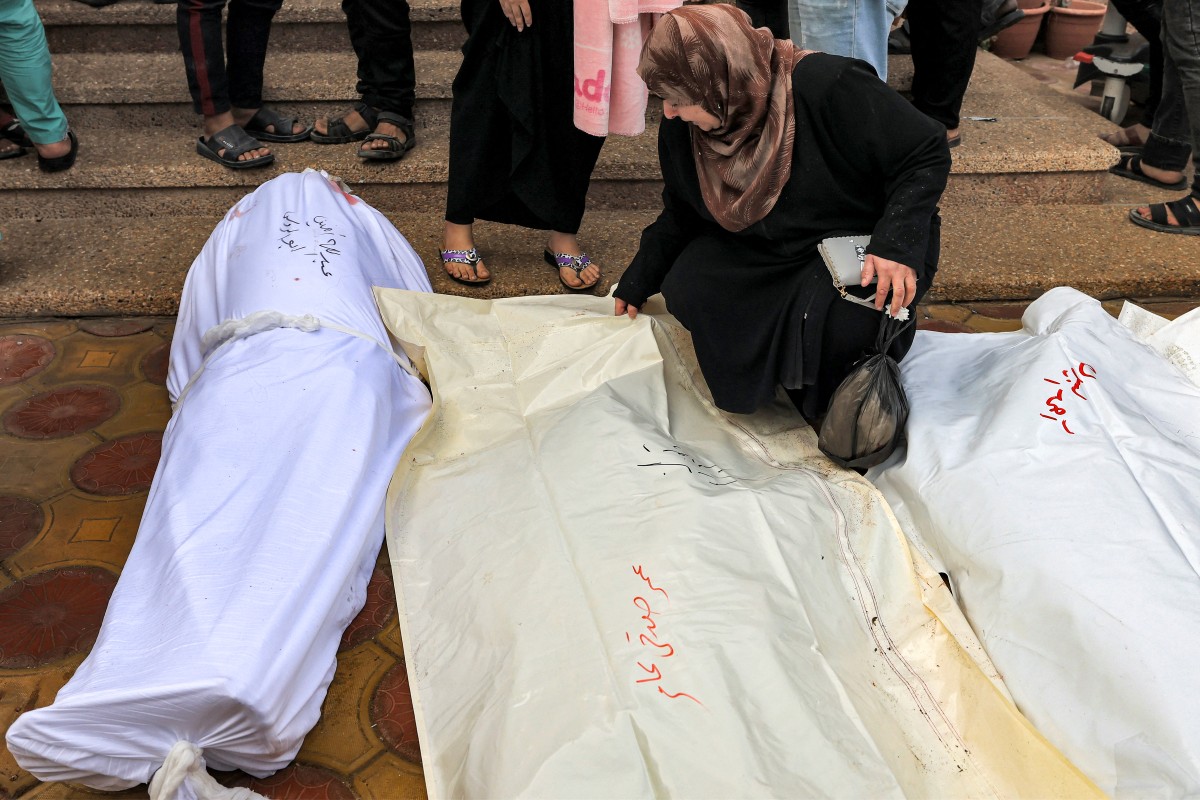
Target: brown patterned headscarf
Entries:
(709, 55)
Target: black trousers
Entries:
(219, 81)
(945, 37)
(381, 34)
(771, 14)
(1146, 17)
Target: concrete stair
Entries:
(1029, 204)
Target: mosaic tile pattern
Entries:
(82, 410)
(83, 406)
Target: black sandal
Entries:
(396, 147)
(65, 161)
(1186, 211)
(234, 141)
(266, 118)
(1130, 166)
(338, 132)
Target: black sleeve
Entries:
(664, 239)
(905, 148)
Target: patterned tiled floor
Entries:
(82, 410)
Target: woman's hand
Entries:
(621, 307)
(518, 13)
(893, 276)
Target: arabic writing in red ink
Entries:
(661, 690)
(1073, 380)
(638, 571)
(650, 637)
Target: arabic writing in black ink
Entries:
(325, 239)
(711, 473)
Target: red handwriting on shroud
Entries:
(1074, 381)
(650, 637)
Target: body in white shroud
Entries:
(264, 520)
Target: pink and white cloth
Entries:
(610, 97)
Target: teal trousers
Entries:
(25, 72)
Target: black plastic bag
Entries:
(868, 410)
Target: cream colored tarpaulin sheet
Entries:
(608, 588)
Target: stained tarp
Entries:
(608, 588)
(1053, 473)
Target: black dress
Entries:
(515, 155)
(757, 302)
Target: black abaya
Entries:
(515, 155)
(756, 301)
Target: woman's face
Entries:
(694, 114)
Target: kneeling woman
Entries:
(766, 150)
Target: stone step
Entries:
(101, 91)
(310, 25)
(1021, 141)
(156, 172)
(120, 79)
(1039, 149)
(100, 266)
(107, 266)
(1028, 206)
(1034, 132)
(108, 90)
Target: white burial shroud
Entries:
(264, 520)
(608, 588)
(1054, 473)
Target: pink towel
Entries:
(610, 97)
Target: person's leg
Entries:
(387, 79)
(203, 48)
(25, 72)
(202, 44)
(474, 121)
(247, 32)
(945, 35)
(1181, 37)
(1176, 134)
(855, 28)
(1168, 147)
(351, 125)
(1146, 18)
(771, 14)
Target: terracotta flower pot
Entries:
(1072, 28)
(1016, 40)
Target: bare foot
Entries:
(219, 122)
(1133, 136)
(1163, 175)
(461, 237)
(1172, 220)
(8, 147)
(54, 149)
(568, 243)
